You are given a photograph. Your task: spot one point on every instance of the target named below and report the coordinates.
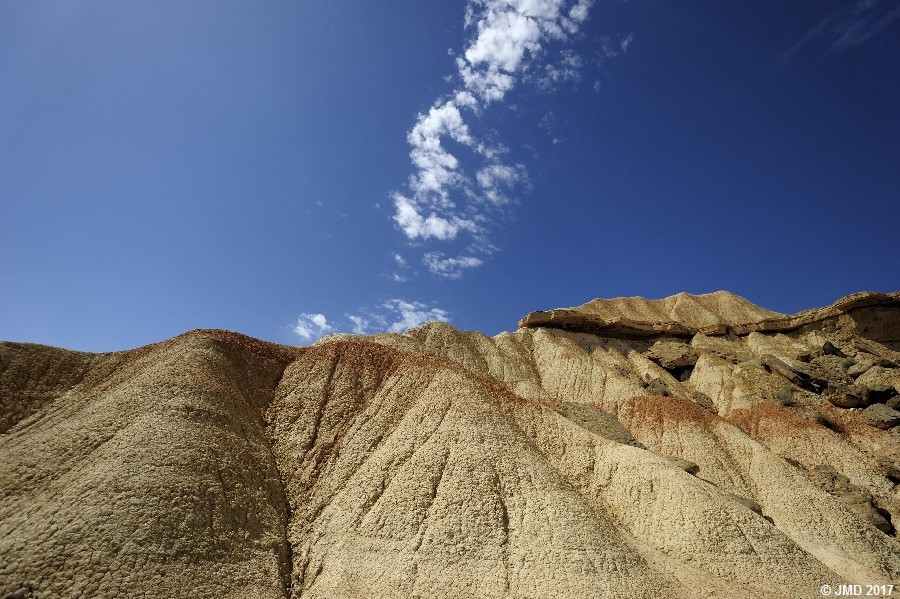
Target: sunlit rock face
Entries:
(696, 446)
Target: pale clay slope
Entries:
(540, 463)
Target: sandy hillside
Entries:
(695, 446)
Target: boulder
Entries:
(828, 368)
(878, 377)
(673, 355)
(798, 378)
(881, 416)
(829, 349)
(847, 396)
(860, 366)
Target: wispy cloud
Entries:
(849, 26)
(443, 200)
(392, 316)
(565, 69)
(452, 268)
(401, 273)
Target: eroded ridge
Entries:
(440, 462)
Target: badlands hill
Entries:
(696, 446)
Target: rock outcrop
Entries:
(873, 315)
(687, 447)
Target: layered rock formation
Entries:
(872, 315)
(697, 446)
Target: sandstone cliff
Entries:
(697, 446)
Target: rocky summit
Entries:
(695, 446)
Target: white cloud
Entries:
(579, 12)
(311, 326)
(504, 36)
(414, 225)
(452, 268)
(443, 201)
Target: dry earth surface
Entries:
(696, 446)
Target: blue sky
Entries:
(285, 169)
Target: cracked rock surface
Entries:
(446, 463)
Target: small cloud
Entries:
(608, 49)
(399, 260)
(311, 326)
(548, 122)
(452, 268)
(626, 42)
